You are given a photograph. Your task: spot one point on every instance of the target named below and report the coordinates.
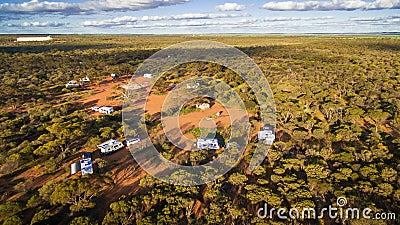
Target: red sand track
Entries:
(190, 120)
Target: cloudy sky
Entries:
(198, 16)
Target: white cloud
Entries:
(230, 7)
(189, 16)
(366, 19)
(128, 20)
(389, 20)
(38, 24)
(275, 19)
(184, 24)
(67, 8)
(332, 5)
(125, 20)
(218, 23)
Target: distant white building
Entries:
(266, 136)
(72, 84)
(86, 166)
(147, 75)
(22, 39)
(203, 106)
(110, 146)
(106, 109)
(211, 143)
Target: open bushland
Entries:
(338, 132)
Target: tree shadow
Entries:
(382, 46)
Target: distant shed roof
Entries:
(21, 39)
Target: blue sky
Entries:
(198, 16)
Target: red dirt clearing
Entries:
(106, 93)
(191, 120)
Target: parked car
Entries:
(132, 141)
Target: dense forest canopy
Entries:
(338, 132)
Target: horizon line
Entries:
(199, 34)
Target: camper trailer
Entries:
(266, 136)
(147, 75)
(72, 84)
(84, 80)
(203, 106)
(211, 143)
(103, 109)
(110, 146)
(106, 109)
(86, 166)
